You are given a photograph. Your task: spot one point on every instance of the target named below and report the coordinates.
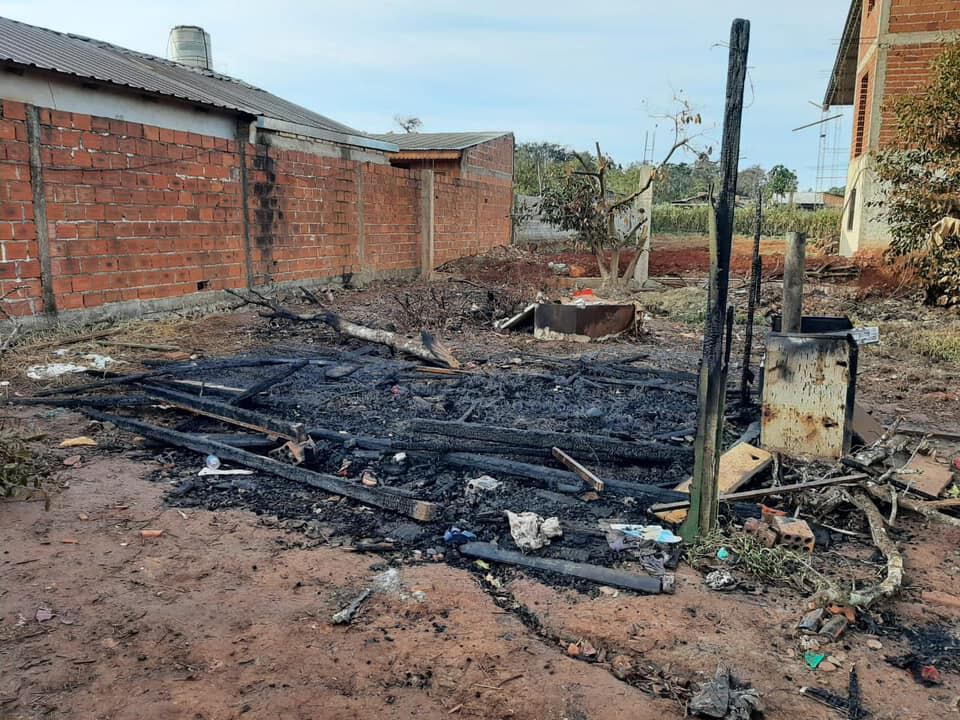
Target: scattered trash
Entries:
(723, 698)
(400, 458)
(345, 615)
(212, 462)
(851, 705)
(72, 460)
(930, 675)
(53, 370)
(810, 623)
(720, 580)
(834, 627)
(813, 659)
(206, 471)
(482, 564)
(484, 483)
(723, 554)
(532, 532)
(368, 479)
(43, 614)
(456, 536)
(81, 441)
(151, 534)
(621, 536)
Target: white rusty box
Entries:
(809, 389)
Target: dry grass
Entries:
(939, 344)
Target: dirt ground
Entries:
(226, 615)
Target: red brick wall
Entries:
(19, 256)
(923, 15)
(472, 216)
(496, 155)
(136, 212)
(473, 210)
(908, 68)
(305, 216)
(392, 217)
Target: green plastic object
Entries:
(813, 659)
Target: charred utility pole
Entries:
(794, 266)
(753, 299)
(704, 495)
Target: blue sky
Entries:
(565, 72)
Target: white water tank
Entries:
(190, 45)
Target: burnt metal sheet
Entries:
(586, 321)
(814, 324)
(808, 395)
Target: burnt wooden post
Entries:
(704, 495)
(753, 297)
(794, 265)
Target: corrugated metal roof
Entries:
(437, 141)
(83, 57)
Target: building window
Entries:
(861, 116)
(851, 210)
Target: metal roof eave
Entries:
(269, 123)
(835, 95)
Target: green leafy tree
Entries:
(536, 165)
(781, 180)
(921, 175)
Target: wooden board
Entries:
(865, 425)
(932, 479)
(737, 466)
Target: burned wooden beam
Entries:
(561, 479)
(223, 412)
(588, 477)
(594, 573)
(246, 397)
(650, 453)
(381, 497)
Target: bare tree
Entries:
(584, 203)
(409, 123)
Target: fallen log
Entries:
(651, 453)
(381, 497)
(918, 506)
(594, 573)
(426, 348)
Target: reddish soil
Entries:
(224, 617)
(221, 617)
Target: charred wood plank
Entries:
(245, 398)
(229, 414)
(588, 477)
(380, 497)
(651, 453)
(594, 573)
(82, 401)
(560, 479)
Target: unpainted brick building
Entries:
(885, 53)
(128, 179)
